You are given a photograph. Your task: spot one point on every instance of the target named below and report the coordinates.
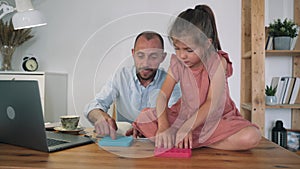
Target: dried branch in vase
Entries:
(11, 37)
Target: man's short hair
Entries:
(150, 35)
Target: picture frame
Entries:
(293, 139)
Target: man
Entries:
(132, 88)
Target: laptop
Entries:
(22, 123)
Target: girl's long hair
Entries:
(194, 23)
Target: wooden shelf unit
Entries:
(253, 63)
(248, 106)
(288, 53)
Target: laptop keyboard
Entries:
(53, 142)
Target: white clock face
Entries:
(31, 65)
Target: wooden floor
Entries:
(266, 155)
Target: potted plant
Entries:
(9, 40)
(270, 92)
(282, 33)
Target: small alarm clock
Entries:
(30, 63)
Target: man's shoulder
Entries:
(160, 75)
(124, 73)
(162, 70)
(126, 70)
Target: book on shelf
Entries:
(287, 87)
(297, 101)
(295, 96)
(293, 43)
(294, 40)
(284, 87)
(288, 90)
(269, 43)
(268, 39)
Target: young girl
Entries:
(206, 114)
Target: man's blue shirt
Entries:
(129, 95)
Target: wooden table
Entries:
(266, 155)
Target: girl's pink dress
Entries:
(194, 87)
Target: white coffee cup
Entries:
(69, 122)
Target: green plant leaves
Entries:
(283, 28)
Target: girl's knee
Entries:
(250, 138)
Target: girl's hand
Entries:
(187, 140)
(165, 138)
(184, 136)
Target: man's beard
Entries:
(146, 78)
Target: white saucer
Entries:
(51, 126)
(59, 128)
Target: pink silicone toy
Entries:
(173, 152)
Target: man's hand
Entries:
(107, 126)
(104, 124)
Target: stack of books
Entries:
(288, 89)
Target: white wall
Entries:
(89, 39)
